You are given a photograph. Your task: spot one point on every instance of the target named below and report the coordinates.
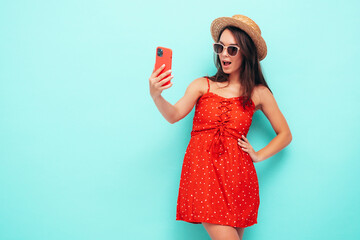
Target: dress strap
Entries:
(208, 84)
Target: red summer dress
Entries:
(218, 182)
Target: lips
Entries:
(226, 63)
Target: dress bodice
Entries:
(223, 117)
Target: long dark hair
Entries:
(250, 69)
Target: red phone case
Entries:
(163, 56)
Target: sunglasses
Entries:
(219, 48)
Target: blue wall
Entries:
(85, 154)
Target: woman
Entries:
(219, 185)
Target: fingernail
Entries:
(163, 65)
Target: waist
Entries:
(221, 131)
(217, 137)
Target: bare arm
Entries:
(283, 135)
(174, 113)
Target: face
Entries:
(227, 39)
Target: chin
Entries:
(227, 71)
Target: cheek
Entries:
(236, 59)
(237, 63)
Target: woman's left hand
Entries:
(246, 147)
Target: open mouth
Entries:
(226, 63)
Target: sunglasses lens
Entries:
(232, 50)
(218, 48)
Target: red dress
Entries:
(218, 181)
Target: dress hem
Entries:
(199, 221)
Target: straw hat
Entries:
(244, 23)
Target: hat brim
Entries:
(220, 23)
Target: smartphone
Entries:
(163, 56)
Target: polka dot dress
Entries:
(218, 181)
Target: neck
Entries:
(234, 77)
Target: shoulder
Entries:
(199, 85)
(261, 94)
(261, 90)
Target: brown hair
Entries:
(250, 69)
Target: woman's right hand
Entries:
(155, 83)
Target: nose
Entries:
(224, 52)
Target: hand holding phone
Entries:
(161, 75)
(163, 56)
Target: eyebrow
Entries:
(229, 44)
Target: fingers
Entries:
(160, 77)
(245, 149)
(162, 82)
(156, 72)
(164, 74)
(243, 143)
(167, 86)
(243, 137)
(157, 84)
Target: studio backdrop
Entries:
(85, 154)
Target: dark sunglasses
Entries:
(219, 48)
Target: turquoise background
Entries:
(85, 154)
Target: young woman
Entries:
(219, 185)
